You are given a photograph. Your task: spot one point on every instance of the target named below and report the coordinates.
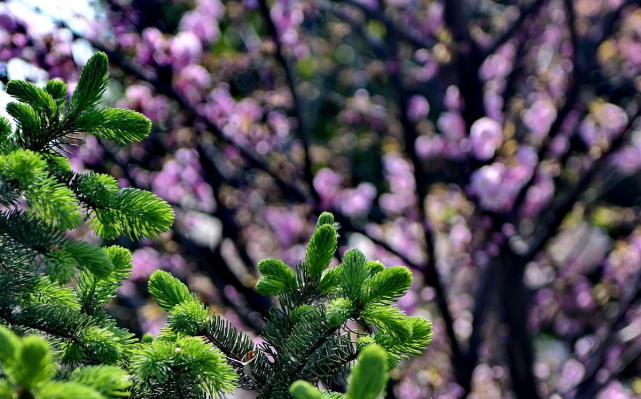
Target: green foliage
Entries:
(94, 292)
(79, 351)
(31, 168)
(93, 82)
(420, 335)
(119, 125)
(67, 390)
(57, 89)
(374, 267)
(330, 279)
(338, 311)
(325, 218)
(387, 319)
(367, 381)
(304, 390)
(28, 93)
(387, 285)
(306, 337)
(321, 249)
(55, 288)
(90, 257)
(25, 167)
(28, 366)
(369, 376)
(33, 362)
(353, 274)
(186, 367)
(189, 317)
(277, 277)
(9, 345)
(168, 290)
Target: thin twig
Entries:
(421, 182)
(511, 30)
(302, 129)
(379, 15)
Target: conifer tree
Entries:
(59, 342)
(324, 317)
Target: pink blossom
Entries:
(401, 183)
(486, 136)
(452, 125)
(539, 117)
(418, 108)
(327, 184)
(211, 8)
(453, 100)
(287, 225)
(145, 262)
(497, 185)
(185, 48)
(203, 20)
(538, 195)
(628, 159)
(429, 146)
(220, 105)
(604, 124)
(201, 25)
(357, 201)
(612, 118)
(486, 184)
(246, 114)
(615, 390)
(140, 97)
(460, 236)
(191, 81)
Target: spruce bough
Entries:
(57, 340)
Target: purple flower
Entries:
(7, 21)
(140, 97)
(201, 25)
(245, 116)
(185, 48)
(203, 20)
(539, 117)
(612, 118)
(327, 184)
(401, 184)
(418, 108)
(145, 262)
(460, 237)
(486, 136)
(220, 105)
(452, 125)
(497, 184)
(538, 195)
(628, 159)
(604, 123)
(453, 100)
(192, 81)
(357, 201)
(286, 224)
(615, 390)
(429, 146)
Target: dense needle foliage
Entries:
(60, 341)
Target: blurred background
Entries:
(489, 145)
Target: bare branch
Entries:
(303, 131)
(511, 30)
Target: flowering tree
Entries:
(488, 145)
